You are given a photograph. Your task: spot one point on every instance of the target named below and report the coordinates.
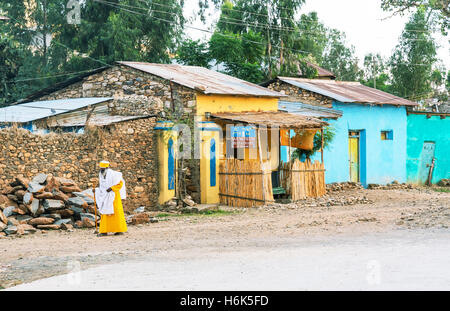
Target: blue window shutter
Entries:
(171, 163)
(212, 164)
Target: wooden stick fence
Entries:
(245, 183)
(303, 179)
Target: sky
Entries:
(361, 20)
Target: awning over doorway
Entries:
(281, 119)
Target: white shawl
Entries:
(104, 199)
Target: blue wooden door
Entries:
(171, 164)
(425, 161)
(212, 164)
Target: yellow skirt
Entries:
(115, 222)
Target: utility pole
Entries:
(374, 66)
(269, 46)
(44, 32)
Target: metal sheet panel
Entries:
(309, 110)
(43, 109)
(203, 80)
(347, 92)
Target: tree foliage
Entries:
(328, 135)
(439, 8)
(413, 59)
(193, 53)
(340, 58)
(110, 30)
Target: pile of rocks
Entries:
(324, 201)
(435, 216)
(140, 216)
(392, 186)
(175, 204)
(44, 203)
(336, 187)
(444, 182)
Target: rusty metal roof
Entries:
(347, 92)
(203, 80)
(309, 110)
(272, 119)
(321, 72)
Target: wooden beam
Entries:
(321, 134)
(261, 162)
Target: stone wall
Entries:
(139, 93)
(127, 145)
(297, 94)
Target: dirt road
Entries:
(403, 212)
(396, 260)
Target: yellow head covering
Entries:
(104, 164)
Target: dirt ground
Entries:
(27, 258)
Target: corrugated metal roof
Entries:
(309, 110)
(272, 118)
(31, 111)
(347, 92)
(321, 72)
(203, 80)
(102, 120)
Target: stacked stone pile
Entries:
(444, 182)
(44, 203)
(336, 187)
(324, 201)
(392, 186)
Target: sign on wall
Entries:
(243, 136)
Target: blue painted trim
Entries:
(363, 158)
(162, 128)
(212, 163)
(210, 129)
(171, 164)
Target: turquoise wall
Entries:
(420, 130)
(381, 161)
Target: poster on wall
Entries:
(243, 136)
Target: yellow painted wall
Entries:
(208, 194)
(222, 103)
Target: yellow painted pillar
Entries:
(166, 161)
(209, 162)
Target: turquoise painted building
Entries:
(370, 137)
(428, 138)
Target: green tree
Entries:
(193, 53)
(328, 135)
(339, 58)
(11, 59)
(439, 8)
(273, 21)
(312, 36)
(375, 73)
(241, 55)
(413, 59)
(110, 30)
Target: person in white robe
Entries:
(109, 195)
